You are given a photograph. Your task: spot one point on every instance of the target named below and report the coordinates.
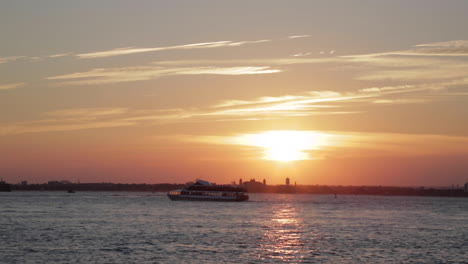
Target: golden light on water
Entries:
(285, 145)
(282, 240)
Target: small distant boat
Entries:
(4, 187)
(71, 191)
(206, 191)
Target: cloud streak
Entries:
(9, 59)
(301, 54)
(129, 74)
(298, 36)
(9, 86)
(69, 120)
(60, 55)
(133, 50)
(415, 80)
(137, 50)
(87, 112)
(439, 65)
(448, 48)
(61, 125)
(262, 108)
(288, 105)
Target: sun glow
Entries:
(286, 145)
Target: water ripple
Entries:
(50, 227)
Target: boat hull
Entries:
(240, 198)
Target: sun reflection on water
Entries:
(283, 237)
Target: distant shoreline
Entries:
(299, 189)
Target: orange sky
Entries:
(323, 92)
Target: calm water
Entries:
(89, 227)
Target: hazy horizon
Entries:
(448, 186)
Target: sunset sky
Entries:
(323, 92)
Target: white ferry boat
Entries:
(205, 191)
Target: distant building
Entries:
(58, 182)
(264, 182)
(53, 182)
(240, 182)
(287, 181)
(254, 186)
(466, 187)
(24, 182)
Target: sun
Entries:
(286, 145)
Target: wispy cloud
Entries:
(310, 103)
(439, 63)
(8, 59)
(87, 112)
(433, 71)
(386, 88)
(451, 43)
(10, 86)
(323, 52)
(134, 50)
(137, 50)
(32, 58)
(415, 80)
(69, 120)
(229, 70)
(256, 62)
(58, 125)
(458, 48)
(302, 54)
(262, 108)
(298, 36)
(323, 102)
(60, 55)
(128, 74)
(447, 48)
(402, 101)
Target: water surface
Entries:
(105, 227)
